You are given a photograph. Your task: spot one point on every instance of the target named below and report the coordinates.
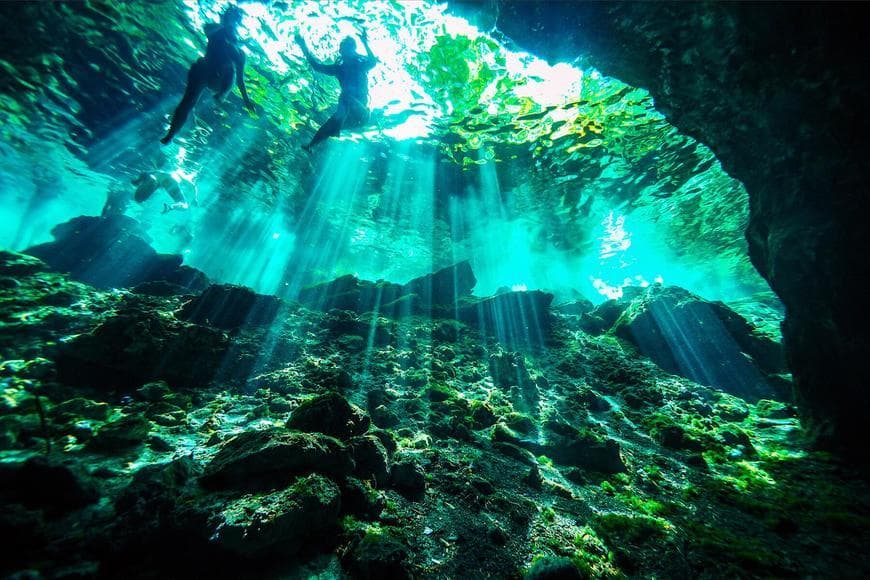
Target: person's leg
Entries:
(358, 115)
(196, 83)
(147, 187)
(331, 128)
(225, 84)
(174, 190)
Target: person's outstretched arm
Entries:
(372, 59)
(329, 69)
(240, 79)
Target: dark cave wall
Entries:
(777, 92)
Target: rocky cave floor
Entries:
(136, 444)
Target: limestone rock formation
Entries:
(253, 525)
(140, 345)
(228, 306)
(330, 414)
(704, 341)
(257, 459)
(113, 252)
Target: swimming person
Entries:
(148, 183)
(223, 63)
(352, 71)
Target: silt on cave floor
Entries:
(277, 439)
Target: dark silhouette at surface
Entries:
(352, 71)
(223, 63)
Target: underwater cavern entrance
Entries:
(472, 340)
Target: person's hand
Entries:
(363, 33)
(299, 40)
(249, 104)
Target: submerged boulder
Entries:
(516, 319)
(139, 345)
(349, 293)
(15, 265)
(407, 475)
(509, 369)
(429, 294)
(381, 555)
(706, 342)
(444, 287)
(577, 307)
(112, 252)
(370, 459)
(121, 434)
(155, 487)
(278, 521)
(261, 459)
(330, 414)
(569, 446)
(228, 306)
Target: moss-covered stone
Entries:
(124, 433)
(258, 459)
(330, 414)
(278, 521)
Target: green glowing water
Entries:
(544, 176)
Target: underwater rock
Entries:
(578, 307)
(155, 486)
(138, 346)
(121, 434)
(508, 369)
(79, 408)
(569, 446)
(161, 288)
(17, 265)
(675, 437)
(278, 521)
(706, 342)
(258, 459)
(331, 414)
(349, 293)
(227, 306)
(153, 392)
(379, 555)
(602, 318)
(516, 452)
(23, 530)
(407, 475)
(516, 319)
(42, 483)
(445, 294)
(773, 409)
(370, 458)
(447, 330)
(428, 294)
(553, 568)
(111, 252)
(359, 499)
(444, 287)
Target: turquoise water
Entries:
(545, 176)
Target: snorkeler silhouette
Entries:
(352, 71)
(223, 63)
(148, 183)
